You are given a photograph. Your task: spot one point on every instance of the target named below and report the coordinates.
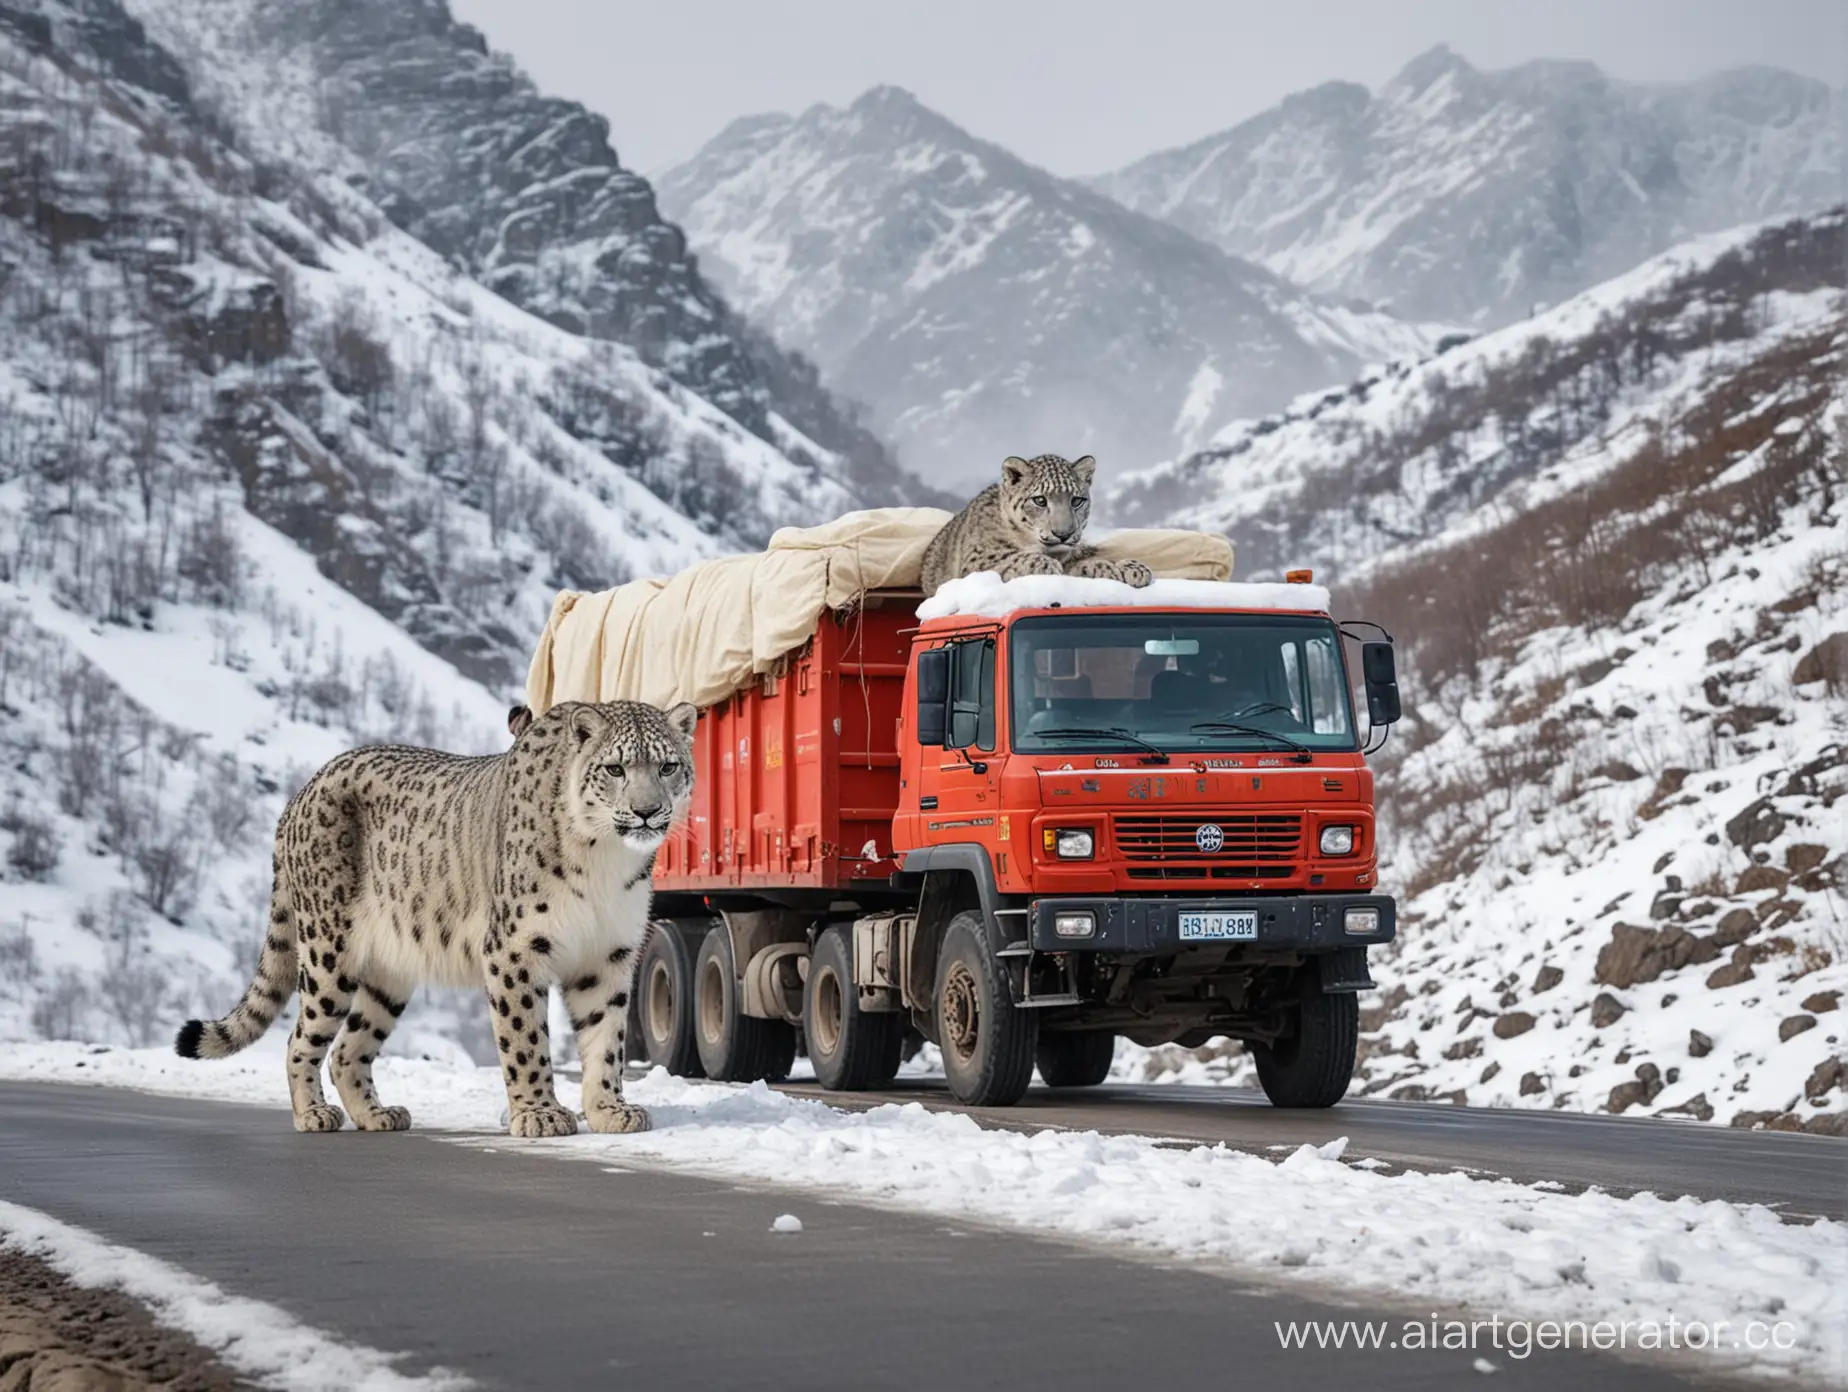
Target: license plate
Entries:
(1218, 927)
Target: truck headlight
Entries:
(1069, 843)
(1074, 925)
(1361, 922)
(1337, 840)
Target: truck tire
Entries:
(987, 1042)
(1313, 1067)
(734, 1047)
(1075, 1058)
(852, 1049)
(662, 997)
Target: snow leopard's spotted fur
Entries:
(1030, 523)
(522, 870)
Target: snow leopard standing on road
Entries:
(522, 870)
(1030, 523)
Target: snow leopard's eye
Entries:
(614, 770)
(1079, 500)
(671, 769)
(1038, 500)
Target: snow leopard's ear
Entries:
(1086, 469)
(586, 723)
(519, 720)
(1013, 470)
(683, 718)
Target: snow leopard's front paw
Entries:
(617, 1118)
(319, 1116)
(1094, 567)
(384, 1119)
(534, 1123)
(1021, 563)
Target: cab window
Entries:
(972, 695)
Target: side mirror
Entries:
(933, 717)
(1380, 674)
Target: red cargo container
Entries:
(798, 776)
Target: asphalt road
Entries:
(1800, 1175)
(523, 1272)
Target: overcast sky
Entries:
(1082, 86)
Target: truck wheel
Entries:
(1312, 1068)
(987, 1043)
(1075, 1058)
(852, 1049)
(662, 998)
(733, 1046)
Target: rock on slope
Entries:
(1458, 194)
(1610, 543)
(982, 306)
(275, 478)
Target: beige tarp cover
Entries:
(713, 630)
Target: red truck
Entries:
(1021, 836)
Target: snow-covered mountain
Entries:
(521, 190)
(983, 307)
(1471, 196)
(1610, 542)
(278, 477)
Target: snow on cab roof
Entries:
(989, 596)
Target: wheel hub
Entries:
(960, 1011)
(712, 1003)
(660, 998)
(826, 1023)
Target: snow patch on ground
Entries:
(252, 1337)
(1442, 1239)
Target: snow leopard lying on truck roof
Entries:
(1030, 523)
(397, 866)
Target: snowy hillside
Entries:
(521, 190)
(1611, 544)
(275, 478)
(983, 307)
(1471, 196)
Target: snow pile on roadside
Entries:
(250, 1336)
(1437, 1239)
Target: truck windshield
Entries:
(1180, 683)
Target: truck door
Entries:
(962, 774)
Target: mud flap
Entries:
(1344, 971)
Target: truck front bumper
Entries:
(1303, 923)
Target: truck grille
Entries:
(1256, 845)
(1214, 871)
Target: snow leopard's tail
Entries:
(269, 989)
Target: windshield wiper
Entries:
(1232, 727)
(1156, 754)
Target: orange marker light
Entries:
(1299, 577)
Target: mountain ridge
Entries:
(983, 306)
(456, 144)
(1463, 194)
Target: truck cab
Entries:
(1150, 821)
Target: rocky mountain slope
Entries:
(522, 191)
(984, 307)
(277, 477)
(1470, 196)
(1610, 543)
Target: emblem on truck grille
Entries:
(1209, 837)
